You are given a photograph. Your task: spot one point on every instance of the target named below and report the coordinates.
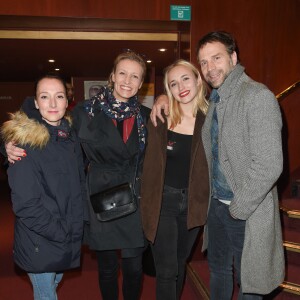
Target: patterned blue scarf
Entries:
(118, 110)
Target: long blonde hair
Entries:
(174, 107)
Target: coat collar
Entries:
(226, 89)
(24, 131)
(97, 129)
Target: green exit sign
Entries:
(180, 12)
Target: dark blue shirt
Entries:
(220, 188)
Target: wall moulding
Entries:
(88, 35)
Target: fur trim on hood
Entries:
(24, 131)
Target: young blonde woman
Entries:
(174, 201)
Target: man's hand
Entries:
(161, 103)
(14, 153)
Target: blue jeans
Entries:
(45, 284)
(225, 246)
(173, 244)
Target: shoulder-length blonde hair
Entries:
(130, 55)
(174, 108)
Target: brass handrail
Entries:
(290, 246)
(291, 287)
(288, 90)
(292, 213)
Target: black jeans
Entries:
(173, 244)
(108, 266)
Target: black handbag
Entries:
(116, 202)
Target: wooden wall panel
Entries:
(290, 108)
(113, 9)
(267, 33)
(12, 95)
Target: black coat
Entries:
(48, 194)
(111, 162)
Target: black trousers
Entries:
(173, 244)
(108, 267)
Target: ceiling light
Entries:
(57, 69)
(162, 49)
(51, 60)
(149, 61)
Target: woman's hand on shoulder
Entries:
(14, 153)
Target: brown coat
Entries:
(154, 173)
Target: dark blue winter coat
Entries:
(48, 194)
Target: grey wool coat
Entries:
(250, 154)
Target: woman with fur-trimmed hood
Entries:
(47, 189)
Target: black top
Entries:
(120, 127)
(178, 159)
